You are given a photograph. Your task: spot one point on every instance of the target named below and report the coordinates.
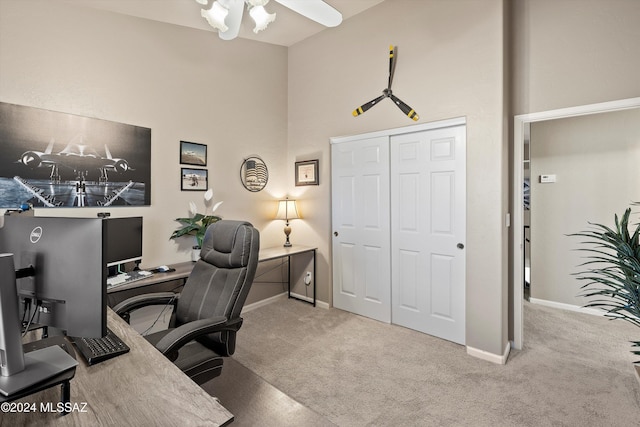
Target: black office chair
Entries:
(206, 314)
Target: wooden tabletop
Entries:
(281, 251)
(140, 388)
(182, 271)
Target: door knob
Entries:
(460, 246)
(335, 233)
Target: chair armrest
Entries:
(234, 325)
(158, 298)
(183, 334)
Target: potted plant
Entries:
(196, 225)
(613, 271)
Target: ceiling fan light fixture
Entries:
(216, 16)
(226, 15)
(261, 18)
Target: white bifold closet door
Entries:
(398, 212)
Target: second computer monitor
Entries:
(123, 239)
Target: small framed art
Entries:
(254, 174)
(194, 179)
(192, 153)
(307, 173)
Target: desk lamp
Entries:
(287, 210)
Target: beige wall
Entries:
(574, 52)
(450, 64)
(182, 83)
(566, 53)
(596, 161)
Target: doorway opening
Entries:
(521, 141)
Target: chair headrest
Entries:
(227, 244)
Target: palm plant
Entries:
(613, 270)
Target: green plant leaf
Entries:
(195, 226)
(612, 269)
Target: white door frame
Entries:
(458, 121)
(521, 128)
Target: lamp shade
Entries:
(287, 209)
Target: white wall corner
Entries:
(500, 359)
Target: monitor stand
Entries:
(19, 371)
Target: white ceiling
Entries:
(288, 28)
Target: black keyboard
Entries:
(96, 350)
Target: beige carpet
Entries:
(575, 370)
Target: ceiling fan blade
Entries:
(393, 52)
(365, 107)
(405, 108)
(316, 10)
(233, 20)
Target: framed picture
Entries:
(254, 174)
(194, 179)
(192, 153)
(307, 173)
(51, 159)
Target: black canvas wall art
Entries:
(52, 159)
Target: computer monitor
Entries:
(123, 237)
(68, 287)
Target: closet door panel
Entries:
(427, 225)
(360, 219)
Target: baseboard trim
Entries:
(569, 307)
(270, 300)
(500, 359)
(263, 302)
(320, 304)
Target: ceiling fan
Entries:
(387, 93)
(226, 15)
